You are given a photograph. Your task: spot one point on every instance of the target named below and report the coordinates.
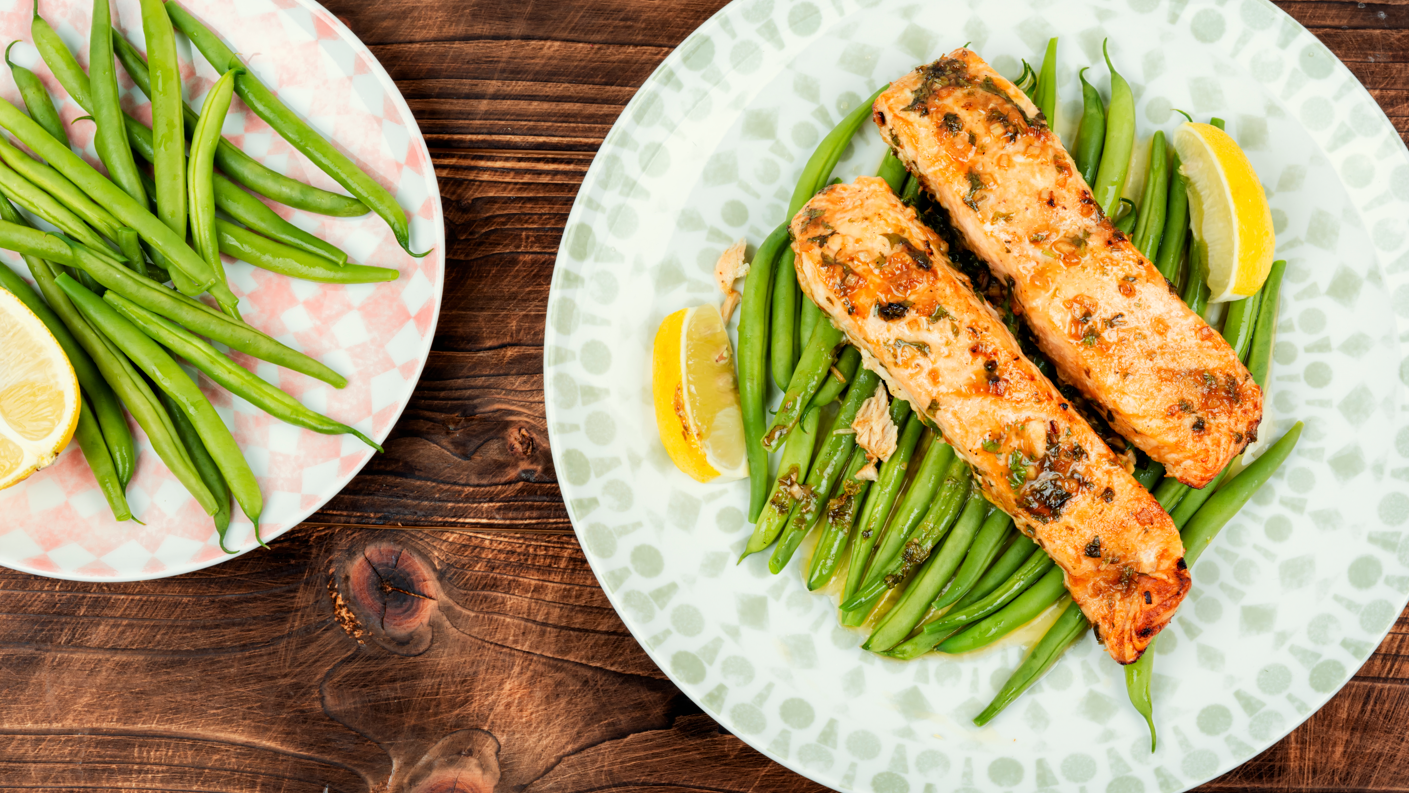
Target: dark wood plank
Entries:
(479, 653)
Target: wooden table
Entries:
(479, 651)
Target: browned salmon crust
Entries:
(1168, 382)
(885, 279)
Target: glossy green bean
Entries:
(29, 196)
(129, 386)
(100, 461)
(1138, 679)
(150, 295)
(822, 475)
(1062, 634)
(1153, 204)
(909, 512)
(782, 337)
(168, 135)
(792, 470)
(1149, 475)
(200, 189)
(170, 378)
(1176, 223)
(1217, 122)
(1190, 504)
(938, 568)
(888, 573)
(1013, 558)
(106, 408)
(1020, 611)
(1120, 139)
(1037, 565)
(240, 166)
(818, 170)
(808, 317)
(1265, 335)
(980, 556)
(111, 137)
(838, 377)
(1223, 505)
(60, 61)
(753, 363)
(236, 379)
(893, 171)
(1169, 492)
(1092, 135)
(1239, 323)
(130, 244)
(841, 513)
(205, 465)
(295, 130)
(36, 99)
(56, 185)
(1046, 99)
(276, 257)
(1196, 293)
(912, 191)
(814, 366)
(128, 211)
(1126, 222)
(879, 503)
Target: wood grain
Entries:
(479, 654)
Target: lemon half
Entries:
(697, 397)
(1227, 210)
(38, 393)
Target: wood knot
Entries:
(465, 761)
(521, 442)
(386, 593)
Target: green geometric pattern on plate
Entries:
(1293, 597)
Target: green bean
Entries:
(1027, 79)
(782, 337)
(1062, 634)
(1190, 504)
(1092, 135)
(912, 191)
(111, 137)
(128, 385)
(130, 245)
(985, 548)
(1239, 323)
(285, 260)
(812, 369)
(1022, 610)
(36, 99)
(937, 570)
(1169, 492)
(841, 515)
(240, 166)
(51, 210)
(170, 378)
(909, 512)
(1150, 474)
(205, 465)
(150, 295)
(889, 573)
(297, 131)
(840, 374)
(830, 460)
(199, 188)
(1138, 678)
(752, 356)
(242, 206)
(1265, 335)
(792, 471)
(1046, 99)
(128, 211)
(236, 379)
(808, 317)
(106, 408)
(1037, 565)
(60, 61)
(893, 171)
(164, 90)
(1012, 559)
(1126, 223)
(1217, 122)
(828, 153)
(56, 185)
(1210, 519)
(1120, 139)
(879, 502)
(1176, 223)
(100, 461)
(1154, 203)
(1196, 291)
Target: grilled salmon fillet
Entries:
(1099, 309)
(885, 279)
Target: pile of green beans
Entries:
(102, 281)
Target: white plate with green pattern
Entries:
(1294, 595)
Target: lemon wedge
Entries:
(697, 397)
(38, 393)
(1227, 210)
